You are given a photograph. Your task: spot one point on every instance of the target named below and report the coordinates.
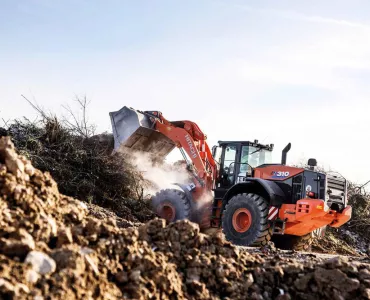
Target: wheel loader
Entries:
(235, 185)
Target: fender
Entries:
(269, 189)
(187, 190)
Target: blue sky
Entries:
(277, 71)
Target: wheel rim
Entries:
(167, 211)
(242, 220)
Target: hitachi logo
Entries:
(191, 146)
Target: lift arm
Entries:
(150, 132)
(188, 136)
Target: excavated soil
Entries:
(53, 247)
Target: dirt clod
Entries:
(18, 243)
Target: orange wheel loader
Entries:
(235, 186)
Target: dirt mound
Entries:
(107, 215)
(50, 247)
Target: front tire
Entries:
(171, 205)
(244, 220)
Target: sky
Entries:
(277, 71)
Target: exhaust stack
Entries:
(284, 153)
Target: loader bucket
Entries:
(133, 129)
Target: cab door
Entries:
(228, 166)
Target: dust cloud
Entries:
(161, 175)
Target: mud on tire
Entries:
(258, 232)
(171, 204)
(303, 243)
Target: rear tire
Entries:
(244, 220)
(303, 243)
(171, 205)
(292, 242)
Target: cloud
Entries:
(298, 53)
(292, 15)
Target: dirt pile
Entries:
(107, 215)
(51, 248)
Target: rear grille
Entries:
(336, 191)
(337, 184)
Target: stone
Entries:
(366, 293)
(32, 276)
(302, 283)
(41, 262)
(64, 237)
(18, 244)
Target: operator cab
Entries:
(237, 159)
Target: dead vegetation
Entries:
(335, 243)
(352, 238)
(81, 163)
(359, 198)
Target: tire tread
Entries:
(265, 231)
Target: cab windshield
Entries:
(254, 157)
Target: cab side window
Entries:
(229, 164)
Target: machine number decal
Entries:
(280, 174)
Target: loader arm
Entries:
(150, 132)
(188, 136)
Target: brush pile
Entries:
(359, 198)
(50, 247)
(83, 166)
(352, 238)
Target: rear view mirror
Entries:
(214, 151)
(231, 169)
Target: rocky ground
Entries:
(55, 247)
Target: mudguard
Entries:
(266, 188)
